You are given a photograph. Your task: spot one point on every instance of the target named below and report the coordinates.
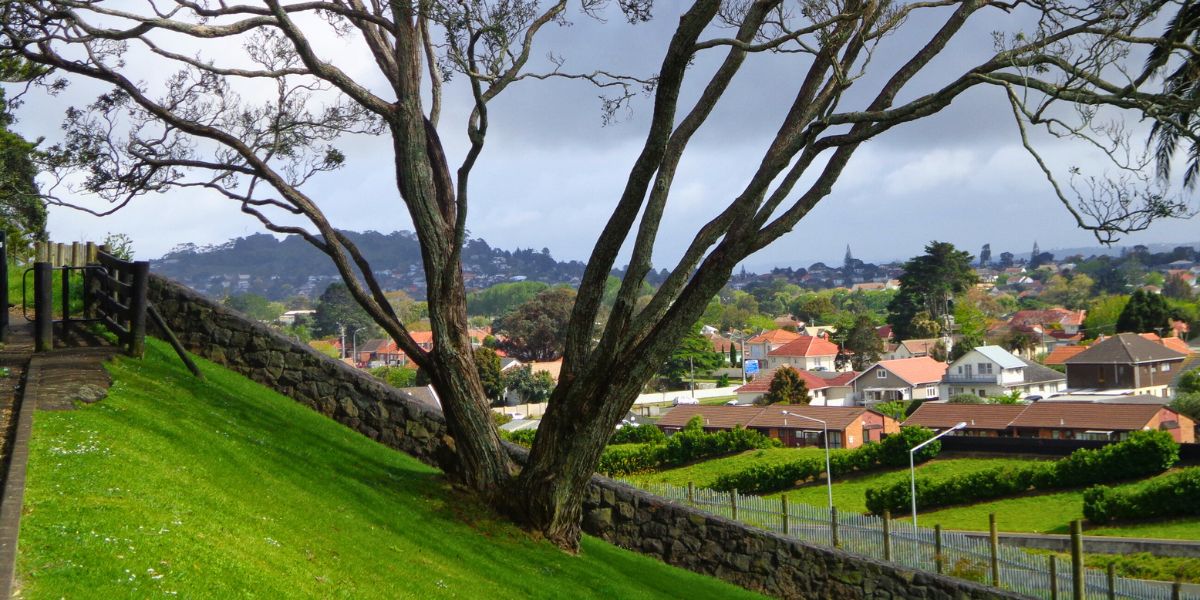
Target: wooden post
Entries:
(833, 527)
(733, 503)
(1053, 577)
(56, 255)
(994, 547)
(1112, 581)
(783, 505)
(91, 252)
(137, 308)
(3, 290)
(938, 560)
(1077, 574)
(691, 494)
(161, 323)
(66, 304)
(887, 535)
(39, 252)
(43, 307)
(1177, 588)
(76, 257)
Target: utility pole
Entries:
(692, 366)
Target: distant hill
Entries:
(279, 269)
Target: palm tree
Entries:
(1183, 81)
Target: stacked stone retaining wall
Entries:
(623, 515)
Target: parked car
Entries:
(684, 400)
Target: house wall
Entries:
(622, 515)
(871, 380)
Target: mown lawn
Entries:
(221, 488)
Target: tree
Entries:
(183, 124)
(488, 364)
(693, 352)
(1102, 315)
(929, 284)
(1146, 312)
(860, 345)
(966, 399)
(22, 211)
(1189, 382)
(535, 330)
(398, 377)
(503, 297)
(1178, 288)
(254, 306)
(1187, 404)
(338, 313)
(1072, 292)
(786, 388)
(533, 388)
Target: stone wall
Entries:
(623, 515)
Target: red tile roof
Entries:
(806, 345)
(837, 417)
(775, 336)
(1176, 344)
(1062, 353)
(762, 382)
(915, 371)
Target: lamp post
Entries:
(828, 472)
(912, 469)
(354, 341)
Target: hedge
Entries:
(1172, 495)
(891, 452)
(1144, 453)
(690, 444)
(638, 434)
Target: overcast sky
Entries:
(551, 173)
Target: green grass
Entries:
(706, 472)
(1138, 565)
(16, 276)
(1053, 513)
(221, 488)
(717, 400)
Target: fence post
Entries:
(137, 308)
(1177, 588)
(66, 304)
(1112, 581)
(887, 535)
(833, 527)
(1077, 574)
(39, 252)
(43, 302)
(733, 503)
(3, 290)
(1053, 577)
(938, 560)
(994, 548)
(691, 494)
(76, 259)
(787, 525)
(91, 257)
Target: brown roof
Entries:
(921, 346)
(837, 417)
(1059, 355)
(1087, 415)
(935, 415)
(806, 345)
(762, 381)
(1124, 349)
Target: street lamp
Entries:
(354, 340)
(912, 469)
(828, 472)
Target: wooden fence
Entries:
(75, 254)
(116, 297)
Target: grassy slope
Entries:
(221, 488)
(706, 472)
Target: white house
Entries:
(806, 353)
(899, 379)
(993, 371)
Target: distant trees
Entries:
(859, 345)
(487, 362)
(254, 306)
(786, 388)
(694, 351)
(1072, 291)
(503, 297)
(535, 330)
(337, 309)
(927, 289)
(1145, 312)
(1102, 315)
(533, 388)
(1177, 288)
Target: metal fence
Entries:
(930, 549)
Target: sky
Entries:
(551, 172)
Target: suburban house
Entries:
(825, 388)
(1055, 420)
(806, 353)
(913, 349)
(759, 346)
(849, 427)
(1126, 361)
(988, 371)
(899, 379)
(1059, 355)
(1049, 328)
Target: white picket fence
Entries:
(960, 556)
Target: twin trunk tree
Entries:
(194, 128)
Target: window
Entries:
(931, 391)
(880, 374)
(1165, 367)
(835, 439)
(985, 368)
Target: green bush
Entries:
(1144, 453)
(521, 437)
(893, 451)
(689, 445)
(1172, 495)
(639, 434)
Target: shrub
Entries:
(638, 434)
(522, 437)
(966, 399)
(1172, 495)
(690, 444)
(1144, 453)
(761, 479)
